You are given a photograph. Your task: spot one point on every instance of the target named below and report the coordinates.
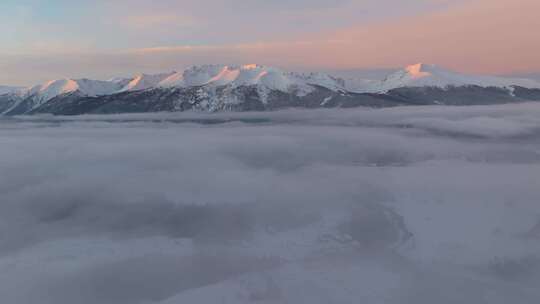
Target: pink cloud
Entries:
(486, 36)
(479, 36)
(490, 36)
(152, 21)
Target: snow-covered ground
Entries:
(405, 205)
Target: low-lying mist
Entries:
(406, 205)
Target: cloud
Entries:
(361, 203)
(155, 21)
(472, 37)
(468, 36)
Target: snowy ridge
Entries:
(266, 79)
(425, 75)
(40, 94)
(85, 87)
(9, 89)
(249, 75)
(144, 81)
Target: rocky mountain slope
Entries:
(257, 88)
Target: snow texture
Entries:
(268, 79)
(426, 75)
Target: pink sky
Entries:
(486, 36)
(476, 36)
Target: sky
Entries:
(46, 39)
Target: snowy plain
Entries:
(401, 205)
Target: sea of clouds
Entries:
(405, 205)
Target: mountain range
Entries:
(253, 87)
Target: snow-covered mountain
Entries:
(249, 75)
(86, 87)
(28, 99)
(9, 89)
(145, 81)
(417, 75)
(204, 75)
(255, 87)
(426, 75)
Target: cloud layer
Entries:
(396, 205)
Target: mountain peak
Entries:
(265, 79)
(429, 75)
(420, 70)
(54, 87)
(252, 66)
(145, 81)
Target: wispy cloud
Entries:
(466, 35)
(156, 21)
